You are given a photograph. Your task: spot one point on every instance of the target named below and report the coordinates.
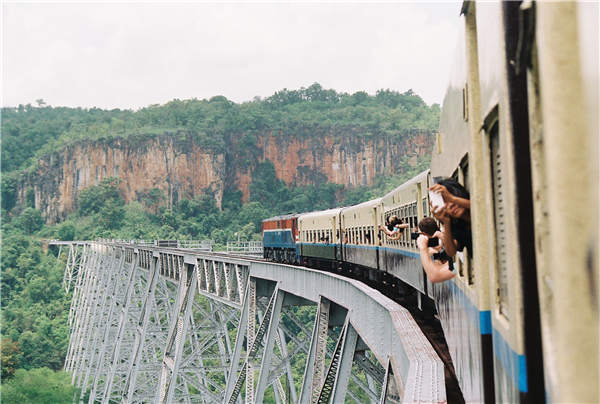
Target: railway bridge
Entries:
(160, 324)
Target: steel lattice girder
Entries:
(153, 324)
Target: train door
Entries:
(336, 237)
(378, 257)
(516, 36)
(343, 235)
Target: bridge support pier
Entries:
(153, 324)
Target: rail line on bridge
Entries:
(156, 324)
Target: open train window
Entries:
(498, 190)
(468, 255)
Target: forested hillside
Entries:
(34, 131)
(34, 307)
(188, 149)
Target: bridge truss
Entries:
(154, 324)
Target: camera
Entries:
(433, 241)
(437, 201)
(441, 256)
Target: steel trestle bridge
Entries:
(163, 325)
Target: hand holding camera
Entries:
(431, 241)
(437, 200)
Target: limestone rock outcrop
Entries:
(184, 169)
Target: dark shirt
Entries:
(461, 232)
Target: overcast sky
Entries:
(130, 55)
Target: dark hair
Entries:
(428, 226)
(390, 224)
(461, 230)
(454, 187)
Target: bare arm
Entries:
(393, 235)
(436, 271)
(447, 240)
(449, 198)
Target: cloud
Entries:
(132, 55)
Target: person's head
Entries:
(456, 189)
(392, 221)
(455, 211)
(461, 229)
(428, 226)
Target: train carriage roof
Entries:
(319, 213)
(282, 217)
(416, 179)
(372, 202)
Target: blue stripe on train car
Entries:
(369, 247)
(483, 317)
(514, 364)
(485, 322)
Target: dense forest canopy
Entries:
(34, 307)
(33, 131)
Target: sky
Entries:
(131, 55)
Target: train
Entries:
(519, 129)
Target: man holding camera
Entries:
(437, 264)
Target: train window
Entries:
(500, 221)
(468, 259)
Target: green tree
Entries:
(111, 215)
(30, 220)
(66, 231)
(38, 386)
(94, 198)
(10, 357)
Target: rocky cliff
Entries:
(183, 169)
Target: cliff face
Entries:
(184, 169)
(349, 161)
